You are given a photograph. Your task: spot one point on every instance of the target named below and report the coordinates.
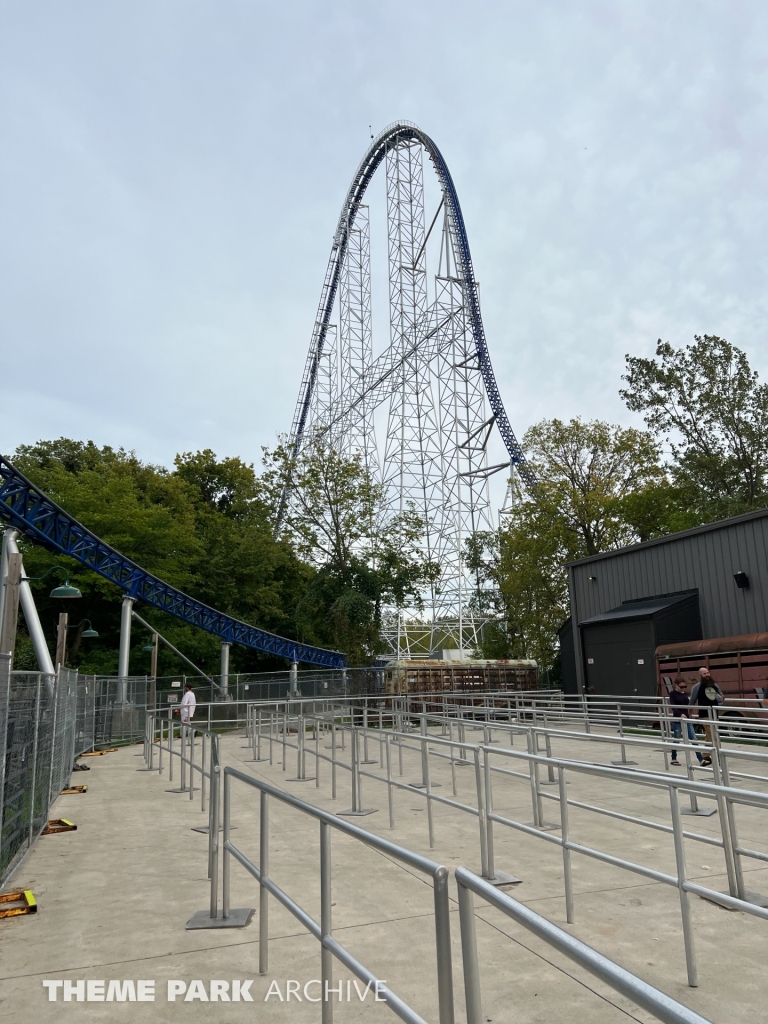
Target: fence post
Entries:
(54, 724)
(35, 746)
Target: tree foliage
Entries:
(204, 527)
(590, 475)
(367, 559)
(708, 402)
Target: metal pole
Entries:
(226, 860)
(225, 649)
(443, 943)
(428, 785)
(685, 910)
(731, 812)
(469, 956)
(568, 880)
(389, 783)
(125, 651)
(34, 766)
(263, 891)
(481, 815)
(213, 837)
(326, 896)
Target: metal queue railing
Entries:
(323, 929)
(481, 756)
(657, 1003)
(195, 747)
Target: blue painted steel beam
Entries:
(370, 162)
(27, 508)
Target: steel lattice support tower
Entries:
(433, 380)
(356, 344)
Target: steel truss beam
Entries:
(435, 376)
(30, 510)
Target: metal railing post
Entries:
(469, 956)
(326, 897)
(481, 814)
(443, 943)
(225, 867)
(685, 909)
(567, 877)
(390, 801)
(731, 814)
(213, 838)
(263, 876)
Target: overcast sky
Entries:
(171, 174)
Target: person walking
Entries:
(188, 705)
(679, 702)
(707, 695)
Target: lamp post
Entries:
(61, 644)
(64, 590)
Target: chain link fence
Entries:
(38, 727)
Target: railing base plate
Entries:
(501, 878)
(237, 919)
(706, 812)
(749, 897)
(357, 814)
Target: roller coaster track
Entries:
(389, 137)
(27, 508)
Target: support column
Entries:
(293, 687)
(225, 649)
(125, 651)
(29, 610)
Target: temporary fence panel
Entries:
(39, 724)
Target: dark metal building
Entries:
(708, 582)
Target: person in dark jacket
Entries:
(679, 702)
(707, 695)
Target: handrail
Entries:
(725, 795)
(322, 930)
(660, 1005)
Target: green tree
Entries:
(366, 559)
(706, 400)
(204, 528)
(586, 501)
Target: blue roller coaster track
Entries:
(26, 507)
(386, 139)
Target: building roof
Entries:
(670, 538)
(643, 609)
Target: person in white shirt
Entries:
(188, 704)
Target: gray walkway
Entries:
(115, 895)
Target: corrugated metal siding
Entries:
(705, 561)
